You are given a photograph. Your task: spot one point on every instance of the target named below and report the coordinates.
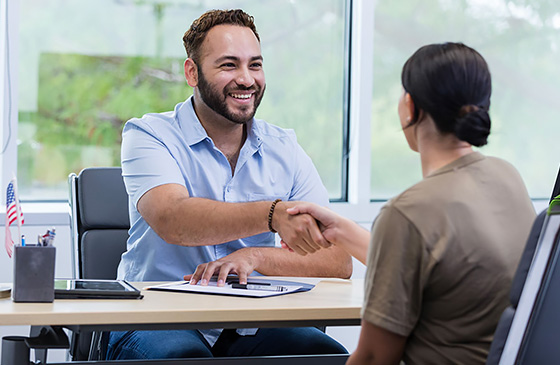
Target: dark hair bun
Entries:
(451, 83)
(473, 125)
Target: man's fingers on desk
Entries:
(197, 275)
(209, 270)
(243, 278)
(225, 270)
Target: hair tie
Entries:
(466, 109)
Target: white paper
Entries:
(213, 288)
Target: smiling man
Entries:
(209, 185)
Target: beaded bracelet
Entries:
(270, 213)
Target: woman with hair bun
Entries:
(441, 255)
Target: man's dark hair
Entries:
(193, 38)
(451, 82)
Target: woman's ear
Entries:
(191, 72)
(409, 105)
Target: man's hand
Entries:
(323, 217)
(298, 231)
(327, 219)
(241, 262)
(336, 229)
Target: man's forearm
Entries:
(200, 222)
(330, 262)
(189, 221)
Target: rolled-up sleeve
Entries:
(146, 161)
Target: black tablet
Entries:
(94, 289)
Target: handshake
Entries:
(302, 226)
(315, 227)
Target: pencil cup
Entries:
(33, 274)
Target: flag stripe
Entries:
(12, 207)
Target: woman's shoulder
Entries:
(465, 188)
(423, 192)
(432, 195)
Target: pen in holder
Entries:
(33, 273)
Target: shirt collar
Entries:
(459, 163)
(194, 132)
(254, 133)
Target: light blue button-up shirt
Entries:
(174, 148)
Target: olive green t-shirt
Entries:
(442, 257)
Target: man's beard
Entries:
(216, 100)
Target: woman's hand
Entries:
(326, 219)
(336, 229)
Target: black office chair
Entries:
(519, 281)
(540, 328)
(99, 221)
(518, 324)
(99, 228)
(502, 331)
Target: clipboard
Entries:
(256, 287)
(94, 289)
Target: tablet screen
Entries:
(90, 285)
(94, 288)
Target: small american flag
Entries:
(12, 208)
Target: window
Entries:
(86, 67)
(520, 40)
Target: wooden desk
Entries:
(332, 302)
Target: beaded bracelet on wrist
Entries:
(271, 213)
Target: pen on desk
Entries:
(236, 281)
(259, 287)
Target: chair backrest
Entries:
(522, 322)
(99, 221)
